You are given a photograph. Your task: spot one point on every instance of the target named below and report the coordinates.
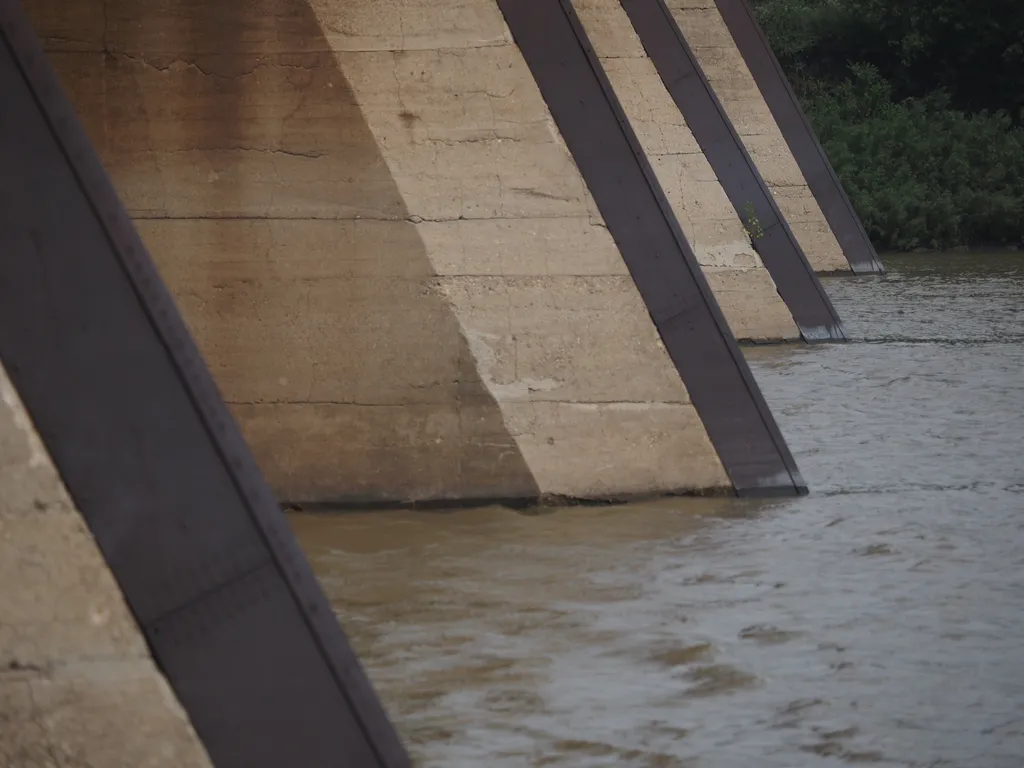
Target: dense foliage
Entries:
(920, 106)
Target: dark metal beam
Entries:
(147, 449)
(660, 260)
(799, 135)
(778, 248)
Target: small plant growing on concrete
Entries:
(751, 224)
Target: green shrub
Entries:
(919, 173)
(919, 126)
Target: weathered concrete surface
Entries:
(559, 333)
(77, 685)
(239, 149)
(743, 287)
(705, 30)
(385, 251)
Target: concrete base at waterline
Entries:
(386, 253)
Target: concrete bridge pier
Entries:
(742, 285)
(117, 453)
(643, 33)
(424, 262)
(392, 262)
(794, 126)
(741, 80)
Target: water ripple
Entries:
(877, 620)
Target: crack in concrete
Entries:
(16, 666)
(170, 62)
(493, 138)
(312, 154)
(538, 193)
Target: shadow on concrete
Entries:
(238, 146)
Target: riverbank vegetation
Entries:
(920, 107)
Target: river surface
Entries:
(879, 620)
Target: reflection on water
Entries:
(878, 620)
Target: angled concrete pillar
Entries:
(798, 132)
(117, 452)
(385, 249)
(743, 287)
(749, 195)
(702, 25)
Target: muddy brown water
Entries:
(879, 620)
